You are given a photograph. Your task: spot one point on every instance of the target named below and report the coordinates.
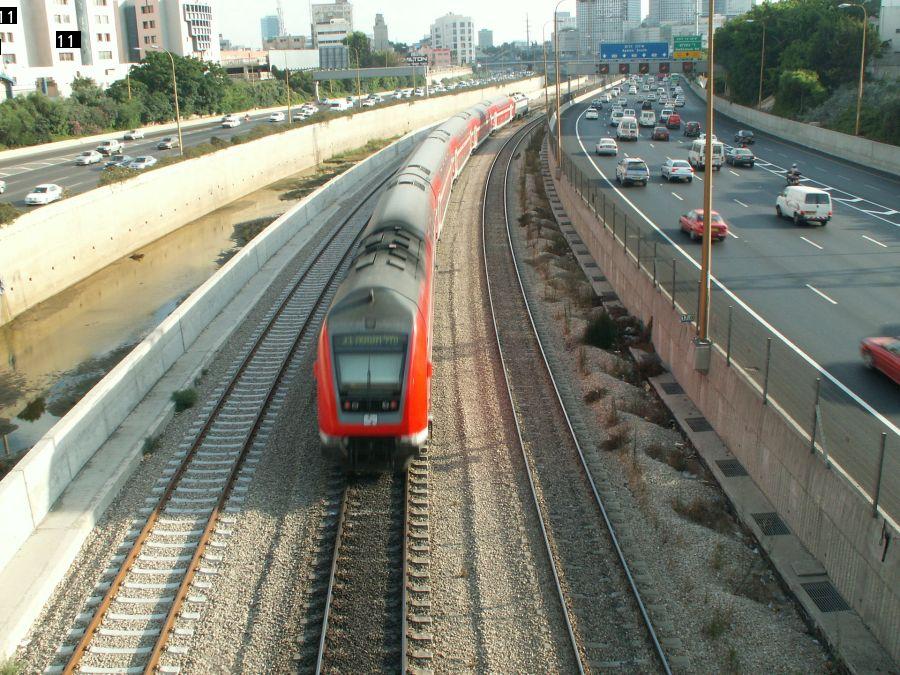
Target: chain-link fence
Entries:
(835, 423)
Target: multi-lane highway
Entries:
(822, 288)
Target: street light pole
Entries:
(544, 48)
(862, 60)
(762, 61)
(175, 88)
(706, 259)
(287, 84)
(558, 115)
(358, 91)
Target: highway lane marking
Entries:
(874, 187)
(678, 197)
(842, 177)
(742, 203)
(817, 291)
(802, 354)
(735, 173)
(732, 234)
(874, 241)
(812, 243)
(698, 177)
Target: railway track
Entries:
(608, 625)
(140, 618)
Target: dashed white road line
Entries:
(874, 241)
(678, 197)
(698, 177)
(732, 234)
(734, 172)
(818, 292)
(742, 203)
(812, 243)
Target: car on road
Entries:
(44, 194)
(632, 170)
(659, 134)
(231, 121)
(651, 96)
(882, 353)
(692, 223)
(673, 121)
(804, 204)
(647, 105)
(276, 117)
(677, 169)
(134, 135)
(168, 143)
(591, 114)
(622, 102)
(109, 147)
(679, 102)
(119, 160)
(664, 115)
(607, 146)
(596, 103)
(627, 129)
(141, 163)
(740, 157)
(88, 157)
(368, 103)
(691, 129)
(697, 153)
(615, 117)
(647, 118)
(744, 136)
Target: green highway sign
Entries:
(686, 47)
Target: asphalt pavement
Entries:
(823, 288)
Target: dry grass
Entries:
(709, 513)
(616, 439)
(594, 395)
(719, 622)
(673, 456)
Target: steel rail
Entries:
(136, 548)
(329, 594)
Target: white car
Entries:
(607, 146)
(134, 135)
(109, 147)
(368, 103)
(804, 204)
(591, 114)
(141, 163)
(44, 194)
(679, 102)
(88, 157)
(677, 169)
(231, 121)
(276, 117)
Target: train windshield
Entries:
(364, 371)
(370, 370)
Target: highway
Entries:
(822, 288)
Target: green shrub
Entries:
(601, 331)
(8, 213)
(184, 399)
(116, 174)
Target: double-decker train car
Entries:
(373, 364)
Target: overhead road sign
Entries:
(627, 51)
(687, 47)
(417, 59)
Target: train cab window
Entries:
(370, 371)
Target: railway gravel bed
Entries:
(492, 603)
(246, 625)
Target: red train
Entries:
(373, 365)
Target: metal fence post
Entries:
(673, 283)
(655, 285)
(878, 480)
(766, 379)
(625, 236)
(638, 256)
(728, 347)
(815, 423)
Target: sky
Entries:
(407, 20)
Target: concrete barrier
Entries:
(821, 507)
(882, 156)
(55, 246)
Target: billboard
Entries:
(634, 50)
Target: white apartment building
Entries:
(184, 27)
(324, 16)
(331, 33)
(456, 33)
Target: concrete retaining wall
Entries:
(55, 246)
(873, 154)
(829, 516)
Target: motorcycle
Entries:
(792, 178)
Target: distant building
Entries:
(268, 27)
(437, 58)
(600, 21)
(295, 59)
(184, 27)
(287, 42)
(331, 33)
(889, 30)
(735, 8)
(245, 64)
(456, 33)
(334, 57)
(380, 36)
(324, 15)
(485, 38)
(672, 12)
(568, 35)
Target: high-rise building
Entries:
(456, 33)
(600, 21)
(632, 14)
(325, 14)
(567, 26)
(331, 33)
(380, 35)
(485, 38)
(672, 11)
(184, 27)
(269, 27)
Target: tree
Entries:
(798, 89)
(359, 45)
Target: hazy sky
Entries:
(407, 20)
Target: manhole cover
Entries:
(771, 523)
(825, 596)
(671, 388)
(731, 468)
(698, 424)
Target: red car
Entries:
(882, 353)
(692, 223)
(674, 121)
(660, 134)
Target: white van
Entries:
(627, 129)
(804, 204)
(647, 119)
(697, 157)
(339, 105)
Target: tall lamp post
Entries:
(358, 91)
(862, 59)
(175, 89)
(556, 54)
(762, 59)
(544, 49)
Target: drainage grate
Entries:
(698, 424)
(598, 277)
(581, 251)
(825, 596)
(590, 263)
(609, 296)
(731, 468)
(671, 387)
(770, 523)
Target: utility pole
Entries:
(527, 34)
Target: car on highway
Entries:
(664, 115)
(119, 160)
(744, 136)
(882, 353)
(697, 153)
(368, 103)
(168, 143)
(627, 129)
(651, 96)
(673, 121)
(607, 146)
(632, 170)
(692, 223)
(691, 129)
(44, 194)
(659, 134)
(88, 157)
(231, 121)
(679, 101)
(597, 103)
(647, 118)
(647, 105)
(109, 147)
(622, 102)
(804, 204)
(141, 163)
(134, 135)
(276, 117)
(677, 169)
(615, 117)
(591, 114)
(740, 157)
